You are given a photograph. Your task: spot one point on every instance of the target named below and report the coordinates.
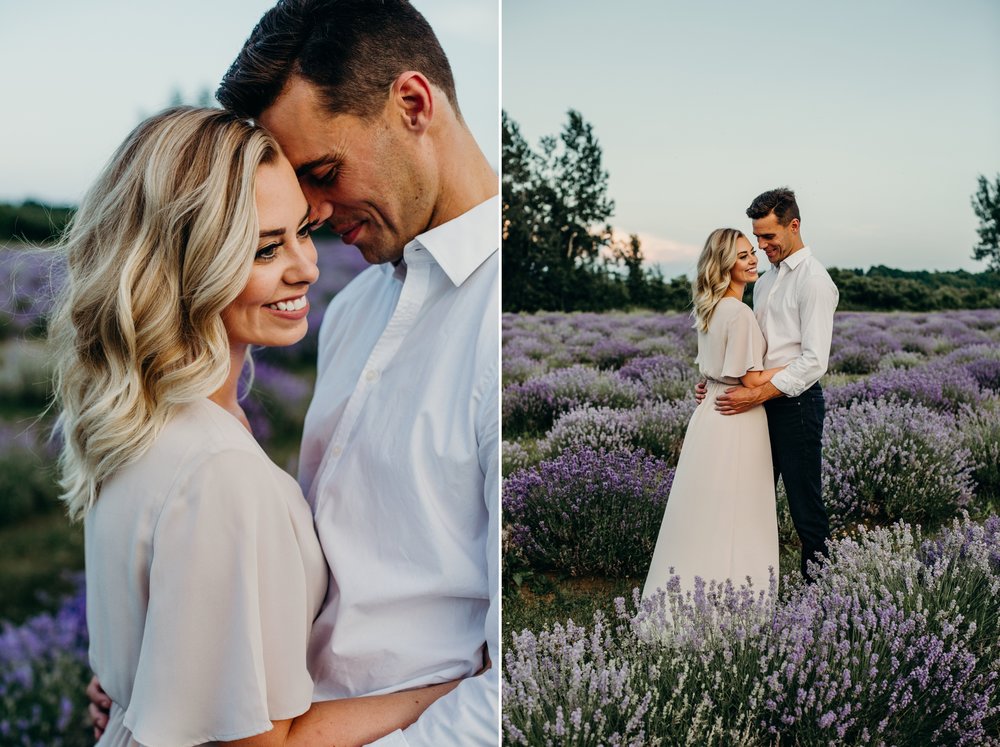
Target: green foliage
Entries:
(27, 485)
(986, 203)
(39, 558)
(32, 222)
(883, 288)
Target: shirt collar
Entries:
(795, 259)
(460, 245)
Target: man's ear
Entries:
(793, 225)
(414, 100)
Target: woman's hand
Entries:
(99, 708)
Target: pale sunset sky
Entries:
(879, 114)
(78, 76)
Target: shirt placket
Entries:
(411, 298)
(772, 294)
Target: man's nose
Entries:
(320, 208)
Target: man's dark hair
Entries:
(781, 201)
(352, 50)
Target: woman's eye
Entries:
(307, 229)
(267, 253)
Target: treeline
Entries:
(885, 289)
(32, 222)
(559, 252)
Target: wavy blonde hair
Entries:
(161, 244)
(714, 266)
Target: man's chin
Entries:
(375, 255)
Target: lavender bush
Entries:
(43, 670)
(587, 511)
(660, 428)
(662, 377)
(980, 434)
(532, 406)
(883, 461)
(597, 428)
(940, 387)
(895, 643)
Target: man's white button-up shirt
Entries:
(400, 464)
(794, 304)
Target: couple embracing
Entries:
(228, 603)
(761, 408)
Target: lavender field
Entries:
(896, 643)
(43, 636)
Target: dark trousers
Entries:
(796, 430)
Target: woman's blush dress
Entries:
(720, 521)
(204, 575)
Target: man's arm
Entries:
(739, 399)
(470, 714)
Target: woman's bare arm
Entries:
(350, 722)
(758, 378)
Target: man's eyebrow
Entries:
(330, 159)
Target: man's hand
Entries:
(737, 399)
(701, 391)
(99, 708)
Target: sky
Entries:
(77, 77)
(880, 114)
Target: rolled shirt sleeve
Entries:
(817, 301)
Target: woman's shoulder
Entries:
(199, 432)
(730, 308)
(200, 445)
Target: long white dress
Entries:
(204, 575)
(720, 521)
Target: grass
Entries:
(543, 599)
(534, 600)
(38, 559)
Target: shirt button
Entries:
(371, 374)
(336, 451)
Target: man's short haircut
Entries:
(352, 50)
(781, 201)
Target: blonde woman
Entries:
(720, 521)
(204, 573)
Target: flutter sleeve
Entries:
(745, 345)
(224, 644)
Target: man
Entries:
(400, 449)
(794, 305)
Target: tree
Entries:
(629, 253)
(986, 203)
(554, 201)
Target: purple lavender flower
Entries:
(43, 669)
(883, 460)
(588, 511)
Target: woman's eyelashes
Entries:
(267, 253)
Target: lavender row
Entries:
(862, 343)
(895, 643)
